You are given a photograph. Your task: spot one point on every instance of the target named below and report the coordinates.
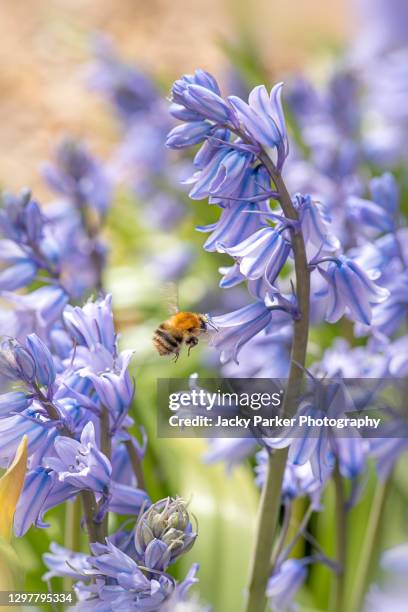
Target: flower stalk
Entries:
(268, 514)
(338, 601)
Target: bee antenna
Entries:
(210, 323)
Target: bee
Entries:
(181, 327)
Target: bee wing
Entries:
(171, 298)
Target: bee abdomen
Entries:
(166, 343)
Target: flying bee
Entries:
(181, 327)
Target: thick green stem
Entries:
(338, 604)
(268, 514)
(370, 545)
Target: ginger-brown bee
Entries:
(180, 327)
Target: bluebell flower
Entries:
(12, 428)
(235, 224)
(122, 584)
(223, 174)
(78, 176)
(264, 253)
(236, 328)
(44, 364)
(115, 390)
(188, 134)
(315, 223)
(284, 584)
(349, 291)
(92, 324)
(37, 485)
(263, 119)
(81, 463)
(64, 562)
(199, 95)
(32, 364)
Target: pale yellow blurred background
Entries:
(44, 44)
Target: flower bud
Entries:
(44, 363)
(164, 528)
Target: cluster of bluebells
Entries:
(356, 255)
(70, 394)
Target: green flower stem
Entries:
(338, 604)
(370, 545)
(268, 514)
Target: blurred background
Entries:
(44, 45)
(45, 52)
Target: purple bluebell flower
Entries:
(81, 463)
(231, 229)
(199, 96)
(115, 390)
(349, 290)
(188, 134)
(64, 562)
(315, 222)
(37, 485)
(263, 119)
(236, 328)
(92, 324)
(264, 253)
(33, 364)
(284, 584)
(120, 583)
(44, 364)
(223, 175)
(12, 428)
(77, 176)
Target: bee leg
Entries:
(176, 356)
(191, 342)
